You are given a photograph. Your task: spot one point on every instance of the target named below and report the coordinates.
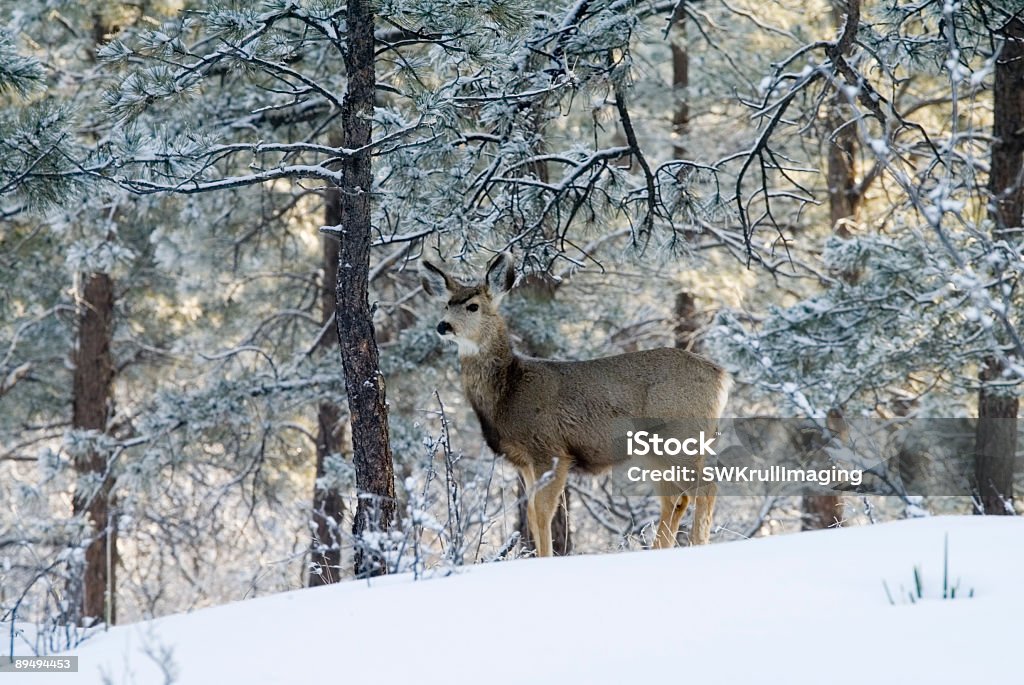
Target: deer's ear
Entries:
(501, 274)
(436, 282)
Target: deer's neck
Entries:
(488, 373)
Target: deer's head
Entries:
(470, 317)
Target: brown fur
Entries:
(548, 417)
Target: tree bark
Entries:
(91, 408)
(687, 323)
(680, 82)
(996, 433)
(328, 505)
(823, 511)
(841, 174)
(364, 384)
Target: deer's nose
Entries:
(444, 327)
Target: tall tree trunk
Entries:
(328, 506)
(91, 408)
(823, 511)
(364, 384)
(680, 82)
(687, 318)
(996, 433)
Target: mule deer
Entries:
(548, 417)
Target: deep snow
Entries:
(805, 608)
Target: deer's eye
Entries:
(472, 307)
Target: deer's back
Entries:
(569, 407)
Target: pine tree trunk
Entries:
(687, 322)
(680, 82)
(823, 511)
(820, 511)
(996, 433)
(364, 384)
(91, 407)
(328, 506)
(841, 174)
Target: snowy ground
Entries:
(807, 608)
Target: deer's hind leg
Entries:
(703, 513)
(544, 492)
(678, 512)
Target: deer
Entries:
(550, 417)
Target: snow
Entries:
(879, 146)
(804, 608)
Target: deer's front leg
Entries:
(530, 489)
(673, 506)
(544, 497)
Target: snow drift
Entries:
(807, 608)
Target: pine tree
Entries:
(996, 448)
